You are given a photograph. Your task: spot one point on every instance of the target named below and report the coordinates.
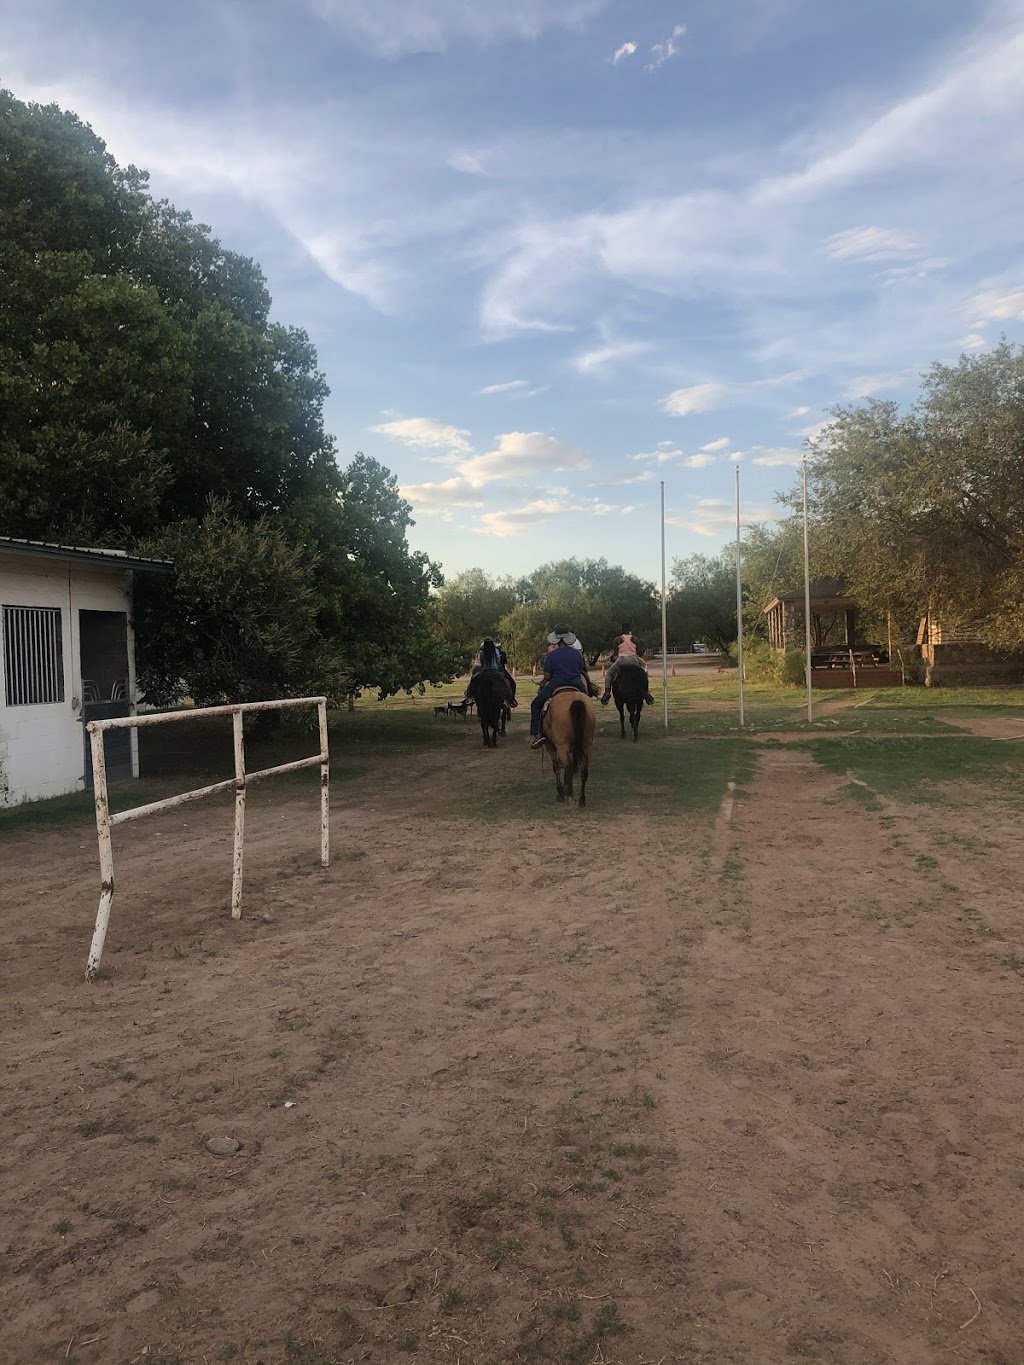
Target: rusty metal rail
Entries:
(238, 784)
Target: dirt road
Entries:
(738, 1085)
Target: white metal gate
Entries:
(104, 820)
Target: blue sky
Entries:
(554, 251)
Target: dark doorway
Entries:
(103, 636)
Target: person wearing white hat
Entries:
(564, 666)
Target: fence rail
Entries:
(238, 784)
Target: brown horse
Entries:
(568, 726)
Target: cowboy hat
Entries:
(562, 633)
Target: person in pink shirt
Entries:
(627, 652)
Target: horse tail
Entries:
(577, 737)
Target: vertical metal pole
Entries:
(237, 724)
(664, 612)
(807, 598)
(739, 598)
(99, 782)
(325, 783)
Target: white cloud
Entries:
(395, 28)
(514, 521)
(714, 517)
(721, 444)
(994, 305)
(777, 457)
(665, 452)
(644, 477)
(695, 398)
(520, 453)
(588, 361)
(867, 385)
(662, 52)
(798, 412)
(510, 386)
(871, 244)
(973, 341)
(437, 498)
(426, 432)
(700, 461)
(626, 50)
(470, 163)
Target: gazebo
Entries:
(833, 618)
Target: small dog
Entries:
(462, 709)
(440, 710)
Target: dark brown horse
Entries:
(493, 700)
(568, 726)
(629, 688)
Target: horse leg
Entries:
(483, 731)
(634, 719)
(584, 773)
(622, 718)
(559, 788)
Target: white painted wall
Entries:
(42, 748)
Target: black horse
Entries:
(629, 689)
(493, 700)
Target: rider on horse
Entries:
(491, 656)
(627, 652)
(564, 666)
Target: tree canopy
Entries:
(926, 508)
(148, 399)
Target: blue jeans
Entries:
(543, 693)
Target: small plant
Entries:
(452, 1299)
(568, 1239)
(63, 1226)
(128, 1076)
(408, 1341)
(228, 1351)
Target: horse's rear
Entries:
(629, 690)
(492, 697)
(569, 726)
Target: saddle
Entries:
(567, 687)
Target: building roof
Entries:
(822, 590)
(78, 554)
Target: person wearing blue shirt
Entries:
(564, 666)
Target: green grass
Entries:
(921, 770)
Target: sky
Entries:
(553, 252)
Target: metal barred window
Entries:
(33, 656)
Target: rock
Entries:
(223, 1145)
(267, 917)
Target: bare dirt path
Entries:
(735, 1086)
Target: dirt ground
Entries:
(736, 1086)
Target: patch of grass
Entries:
(924, 863)
(62, 1227)
(452, 1299)
(408, 1341)
(915, 770)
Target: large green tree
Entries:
(702, 604)
(591, 596)
(470, 605)
(141, 378)
(926, 508)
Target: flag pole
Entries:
(664, 613)
(739, 598)
(807, 599)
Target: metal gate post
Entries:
(99, 782)
(325, 782)
(237, 724)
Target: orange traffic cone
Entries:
(673, 670)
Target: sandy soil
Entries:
(595, 1087)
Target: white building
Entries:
(67, 656)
